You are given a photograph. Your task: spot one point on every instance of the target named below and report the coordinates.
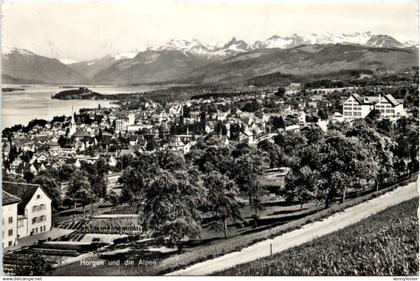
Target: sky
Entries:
(87, 29)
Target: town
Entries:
(161, 181)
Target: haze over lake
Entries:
(20, 107)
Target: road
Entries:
(307, 233)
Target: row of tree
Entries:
(172, 193)
(348, 157)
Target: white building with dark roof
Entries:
(33, 213)
(356, 107)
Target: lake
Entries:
(20, 107)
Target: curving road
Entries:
(307, 233)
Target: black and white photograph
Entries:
(209, 138)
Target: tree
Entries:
(66, 172)
(12, 177)
(28, 175)
(97, 178)
(218, 128)
(384, 126)
(379, 146)
(64, 141)
(373, 115)
(51, 187)
(13, 153)
(235, 131)
(278, 122)
(407, 139)
(221, 198)
(136, 178)
(79, 188)
(302, 186)
(322, 114)
(290, 141)
(170, 160)
(213, 158)
(345, 162)
(167, 195)
(281, 93)
(274, 152)
(304, 182)
(247, 168)
(170, 206)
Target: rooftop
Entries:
(24, 191)
(8, 198)
(376, 99)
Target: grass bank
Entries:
(222, 247)
(384, 244)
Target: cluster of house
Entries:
(26, 210)
(130, 131)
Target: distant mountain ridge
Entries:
(234, 45)
(189, 60)
(304, 60)
(20, 65)
(220, 51)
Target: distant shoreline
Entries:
(8, 89)
(84, 93)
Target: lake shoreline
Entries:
(34, 102)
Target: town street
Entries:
(304, 234)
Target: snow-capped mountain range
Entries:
(172, 60)
(235, 46)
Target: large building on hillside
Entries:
(356, 107)
(33, 212)
(121, 125)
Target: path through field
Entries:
(306, 233)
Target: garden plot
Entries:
(108, 224)
(101, 238)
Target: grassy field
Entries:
(384, 244)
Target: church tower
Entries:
(73, 128)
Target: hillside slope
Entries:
(23, 65)
(384, 244)
(305, 59)
(150, 66)
(302, 235)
